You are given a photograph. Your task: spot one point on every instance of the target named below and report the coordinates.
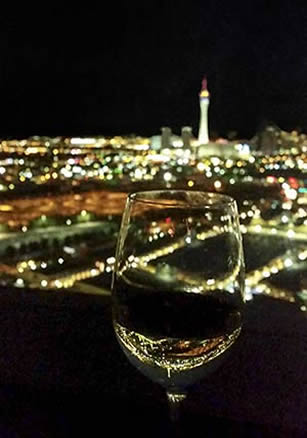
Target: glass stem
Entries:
(174, 402)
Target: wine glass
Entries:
(178, 285)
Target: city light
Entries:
(63, 199)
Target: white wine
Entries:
(171, 361)
(172, 336)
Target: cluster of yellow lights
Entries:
(64, 152)
(65, 146)
(64, 281)
(298, 160)
(69, 280)
(142, 165)
(295, 233)
(255, 279)
(276, 292)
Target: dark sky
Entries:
(133, 67)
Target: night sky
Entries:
(132, 67)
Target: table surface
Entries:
(63, 374)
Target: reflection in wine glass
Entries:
(177, 289)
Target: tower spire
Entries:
(204, 100)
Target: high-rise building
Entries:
(166, 137)
(186, 135)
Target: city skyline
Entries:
(136, 69)
(98, 92)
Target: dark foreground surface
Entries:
(62, 374)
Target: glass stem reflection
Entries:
(175, 400)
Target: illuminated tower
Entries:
(204, 100)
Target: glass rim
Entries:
(159, 197)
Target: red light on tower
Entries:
(204, 90)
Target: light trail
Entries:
(295, 232)
(287, 260)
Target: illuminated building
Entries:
(166, 137)
(186, 135)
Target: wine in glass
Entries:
(178, 285)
